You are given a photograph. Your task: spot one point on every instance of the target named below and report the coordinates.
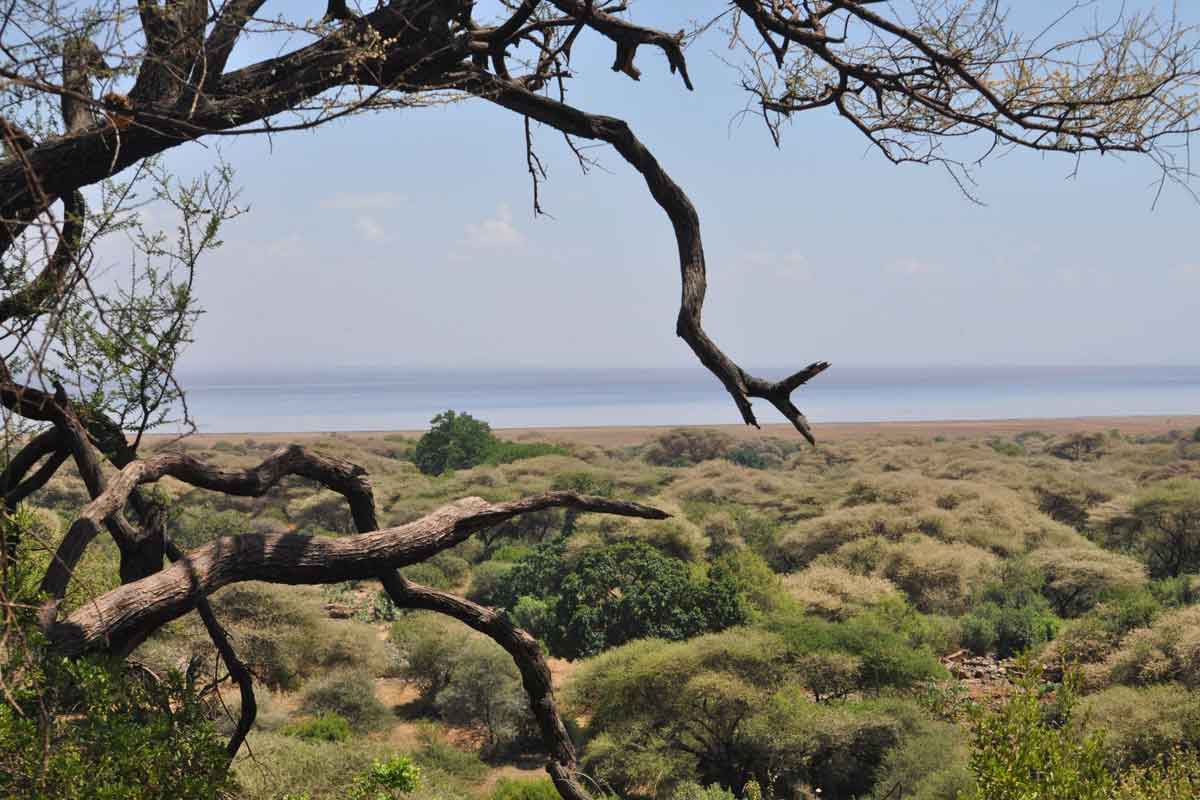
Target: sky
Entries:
(408, 239)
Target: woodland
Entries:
(771, 620)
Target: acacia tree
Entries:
(94, 90)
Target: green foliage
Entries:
(386, 780)
(327, 727)
(505, 452)
(454, 441)
(467, 679)
(509, 789)
(350, 695)
(484, 688)
(194, 526)
(619, 592)
(889, 656)
(91, 727)
(1011, 614)
(459, 441)
(1007, 448)
(1025, 749)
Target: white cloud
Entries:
(370, 229)
(364, 201)
(911, 267)
(494, 233)
(791, 265)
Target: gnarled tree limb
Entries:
(740, 384)
(525, 652)
(120, 619)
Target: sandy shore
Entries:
(616, 436)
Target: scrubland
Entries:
(787, 630)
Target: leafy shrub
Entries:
(540, 789)
(1141, 725)
(386, 780)
(484, 689)
(835, 592)
(685, 446)
(1079, 447)
(284, 636)
(113, 733)
(619, 592)
(487, 580)
(327, 727)
(1076, 578)
(350, 695)
(1021, 750)
(454, 441)
(1163, 527)
(1010, 614)
(505, 452)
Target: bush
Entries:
(484, 689)
(487, 579)
(1021, 750)
(835, 592)
(1077, 578)
(329, 727)
(686, 446)
(540, 789)
(386, 780)
(348, 694)
(1141, 725)
(454, 441)
(1010, 614)
(436, 753)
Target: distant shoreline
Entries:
(624, 435)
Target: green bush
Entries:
(348, 694)
(1010, 614)
(459, 441)
(386, 780)
(1007, 631)
(328, 727)
(619, 592)
(540, 789)
(1026, 750)
(454, 441)
(487, 580)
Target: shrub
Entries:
(1141, 725)
(329, 727)
(486, 581)
(348, 694)
(454, 441)
(436, 753)
(835, 592)
(686, 446)
(1163, 526)
(1079, 447)
(386, 780)
(540, 789)
(1010, 614)
(484, 689)
(1076, 578)
(1020, 750)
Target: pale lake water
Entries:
(403, 399)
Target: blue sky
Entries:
(407, 238)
